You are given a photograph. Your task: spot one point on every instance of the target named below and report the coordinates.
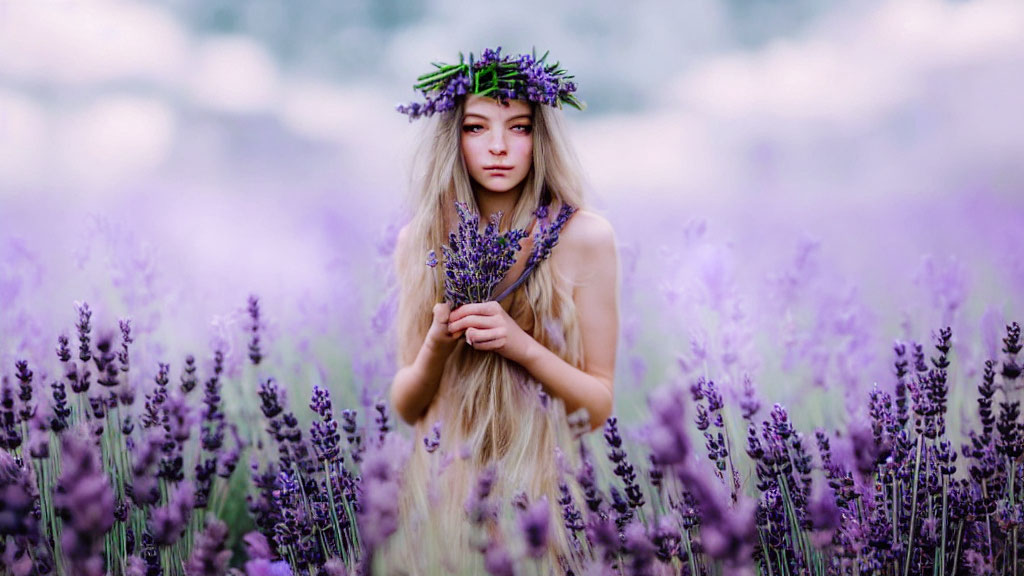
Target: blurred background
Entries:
(794, 185)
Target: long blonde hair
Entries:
(497, 414)
(440, 179)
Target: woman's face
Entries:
(497, 143)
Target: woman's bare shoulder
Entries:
(586, 243)
(588, 233)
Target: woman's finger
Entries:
(493, 344)
(474, 321)
(477, 309)
(476, 337)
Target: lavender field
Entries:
(820, 221)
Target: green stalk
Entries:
(956, 552)
(309, 511)
(895, 509)
(988, 519)
(689, 550)
(913, 506)
(791, 514)
(767, 556)
(1014, 549)
(334, 513)
(945, 508)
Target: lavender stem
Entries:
(913, 505)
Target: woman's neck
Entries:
(490, 202)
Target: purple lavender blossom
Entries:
(10, 429)
(167, 523)
(667, 435)
(210, 556)
(623, 468)
(534, 523)
(188, 375)
(544, 241)
(378, 517)
(84, 332)
(123, 358)
(433, 442)
(497, 561)
(324, 432)
(85, 502)
(475, 263)
(264, 567)
(177, 430)
(17, 496)
(134, 566)
(571, 516)
(255, 354)
(146, 490)
(749, 403)
(383, 420)
(640, 549)
(478, 505)
(353, 436)
(24, 376)
(105, 359)
(727, 533)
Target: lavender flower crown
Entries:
(524, 77)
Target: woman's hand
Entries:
(438, 335)
(488, 327)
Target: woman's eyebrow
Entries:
(521, 116)
(468, 114)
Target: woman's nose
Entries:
(497, 145)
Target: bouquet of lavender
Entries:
(476, 262)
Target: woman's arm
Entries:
(415, 384)
(586, 254)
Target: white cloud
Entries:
(853, 70)
(233, 74)
(900, 97)
(84, 43)
(23, 133)
(325, 111)
(656, 152)
(116, 137)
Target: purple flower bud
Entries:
(85, 502)
(210, 556)
(167, 523)
(497, 561)
(17, 492)
(378, 516)
(189, 380)
(433, 442)
(639, 547)
(667, 433)
(134, 566)
(255, 355)
(534, 522)
(84, 331)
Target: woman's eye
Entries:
(523, 128)
(472, 128)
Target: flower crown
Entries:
(524, 77)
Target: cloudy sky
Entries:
(910, 96)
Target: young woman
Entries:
(497, 379)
